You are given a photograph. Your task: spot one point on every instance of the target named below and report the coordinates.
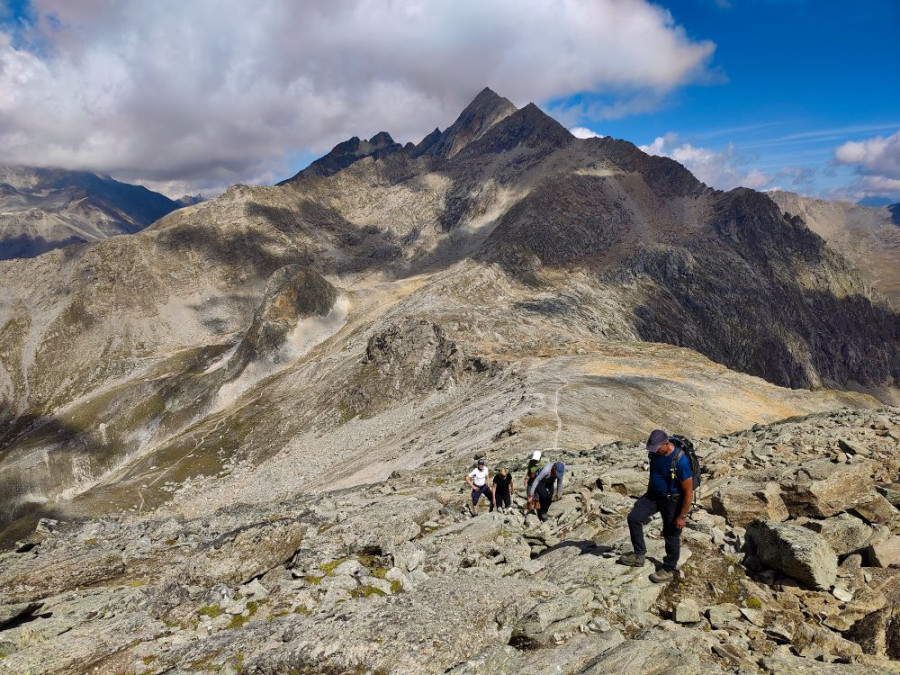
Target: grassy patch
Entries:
(753, 603)
(149, 659)
(238, 620)
(366, 591)
(90, 542)
(330, 567)
(204, 663)
(212, 611)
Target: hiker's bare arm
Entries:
(687, 487)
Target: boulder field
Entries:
(790, 564)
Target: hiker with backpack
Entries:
(549, 480)
(674, 473)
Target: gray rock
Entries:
(885, 553)
(628, 482)
(742, 502)
(408, 556)
(844, 532)
(687, 611)
(795, 551)
(722, 615)
(249, 551)
(822, 488)
(537, 626)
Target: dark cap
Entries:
(657, 438)
(481, 461)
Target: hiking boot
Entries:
(632, 559)
(542, 517)
(662, 576)
(472, 510)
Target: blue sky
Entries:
(192, 97)
(791, 81)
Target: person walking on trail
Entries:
(670, 492)
(549, 480)
(534, 466)
(503, 482)
(478, 481)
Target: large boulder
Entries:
(628, 482)
(844, 532)
(884, 553)
(537, 627)
(795, 551)
(742, 502)
(822, 488)
(248, 551)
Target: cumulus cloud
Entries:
(877, 160)
(584, 132)
(720, 169)
(215, 91)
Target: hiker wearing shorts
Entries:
(478, 481)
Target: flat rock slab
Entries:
(844, 532)
(742, 502)
(823, 488)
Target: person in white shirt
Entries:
(478, 481)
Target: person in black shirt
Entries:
(502, 486)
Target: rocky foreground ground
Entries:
(789, 565)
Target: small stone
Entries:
(687, 611)
(842, 593)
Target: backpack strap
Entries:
(677, 455)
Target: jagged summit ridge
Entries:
(486, 110)
(483, 114)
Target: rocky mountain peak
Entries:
(530, 126)
(485, 111)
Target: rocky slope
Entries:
(868, 237)
(44, 209)
(397, 306)
(789, 565)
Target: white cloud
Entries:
(215, 91)
(877, 160)
(720, 170)
(584, 132)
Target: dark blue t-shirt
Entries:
(660, 476)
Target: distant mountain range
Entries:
(869, 237)
(44, 209)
